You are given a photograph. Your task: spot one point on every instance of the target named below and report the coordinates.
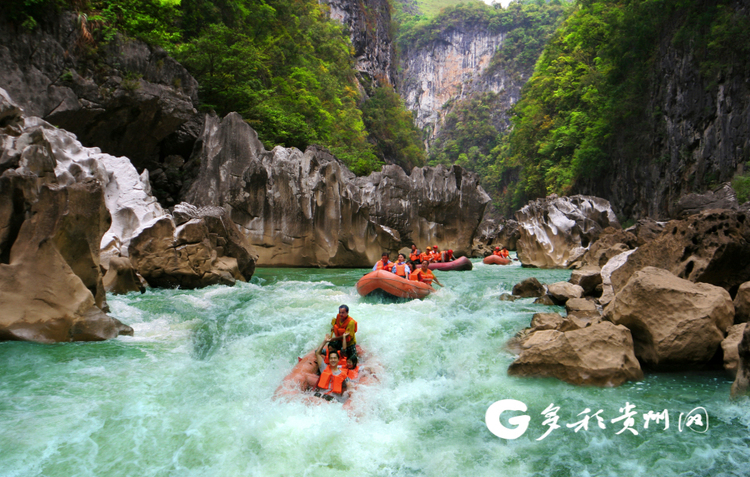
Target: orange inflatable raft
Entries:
(496, 260)
(393, 285)
(298, 383)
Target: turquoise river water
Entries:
(191, 393)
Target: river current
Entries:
(191, 394)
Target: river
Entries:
(191, 393)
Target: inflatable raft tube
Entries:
(393, 285)
(461, 263)
(496, 260)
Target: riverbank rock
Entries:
(583, 310)
(723, 197)
(730, 347)
(646, 230)
(561, 292)
(201, 247)
(589, 279)
(557, 231)
(675, 323)
(307, 209)
(742, 304)
(742, 381)
(598, 355)
(121, 277)
(528, 288)
(610, 243)
(711, 247)
(49, 261)
(608, 291)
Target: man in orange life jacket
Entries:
(448, 256)
(400, 268)
(383, 264)
(425, 275)
(425, 256)
(415, 254)
(343, 329)
(435, 254)
(497, 252)
(333, 378)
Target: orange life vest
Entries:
(435, 256)
(414, 256)
(338, 380)
(353, 374)
(499, 253)
(426, 276)
(504, 253)
(447, 256)
(387, 267)
(340, 329)
(400, 269)
(424, 256)
(414, 275)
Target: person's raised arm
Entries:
(319, 352)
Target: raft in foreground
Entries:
(496, 260)
(461, 263)
(393, 285)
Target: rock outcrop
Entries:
(196, 248)
(599, 355)
(308, 209)
(742, 381)
(742, 304)
(127, 98)
(529, 287)
(730, 347)
(491, 234)
(711, 247)
(557, 231)
(561, 292)
(368, 23)
(50, 232)
(121, 277)
(676, 324)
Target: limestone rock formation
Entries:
(589, 279)
(646, 230)
(127, 98)
(722, 198)
(308, 209)
(530, 287)
(121, 277)
(676, 324)
(561, 292)
(742, 304)
(599, 355)
(557, 231)
(608, 291)
(730, 347)
(369, 25)
(583, 311)
(742, 381)
(491, 234)
(611, 242)
(711, 247)
(204, 250)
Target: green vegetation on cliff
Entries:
(283, 64)
(592, 83)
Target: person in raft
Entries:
(435, 254)
(448, 256)
(425, 256)
(415, 254)
(383, 264)
(333, 378)
(424, 274)
(501, 253)
(343, 334)
(401, 268)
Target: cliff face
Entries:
(452, 68)
(308, 209)
(125, 97)
(368, 23)
(696, 134)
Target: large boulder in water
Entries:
(50, 284)
(676, 324)
(599, 355)
(711, 247)
(730, 347)
(557, 231)
(308, 209)
(202, 247)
